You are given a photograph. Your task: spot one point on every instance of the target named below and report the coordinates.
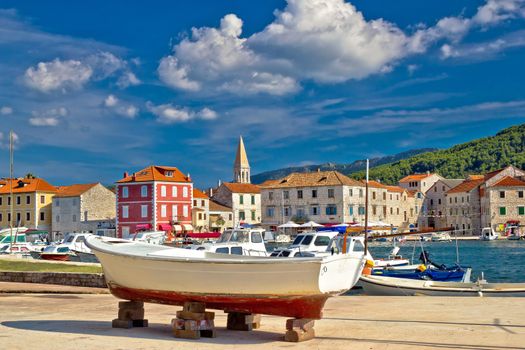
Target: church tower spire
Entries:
(241, 167)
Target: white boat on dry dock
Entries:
(293, 287)
(380, 285)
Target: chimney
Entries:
(188, 177)
(219, 183)
(211, 192)
(126, 174)
(133, 177)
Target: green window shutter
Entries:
(502, 211)
(521, 210)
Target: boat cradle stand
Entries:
(130, 314)
(193, 322)
(299, 329)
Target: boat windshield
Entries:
(49, 249)
(307, 240)
(298, 240)
(234, 236)
(69, 239)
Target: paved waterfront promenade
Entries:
(69, 321)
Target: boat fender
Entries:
(421, 268)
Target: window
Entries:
(331, 209)
(419, 195)
(241, 215)
(28, 199)
(1, 217)
(8, 217)
(185, 211)
(18, 218)
(203, 203)
(361, 210)
(125, 192)
(57, 202)
(286, 194)
(520, 194)
(236, 250)
(373, 194)
(230, 217)
(435, 189)
(300, 194)
(169, 173)
(256, 237)
(501, 194)
(74, 218)
(502, 211)
(253, 215)
(351, 192)
(86, 215)
(8, 200)
(391, 211)
(28, 216)
(125, 232)
(270, 196)
(314, 210)
(185, 192)
(384, 196)
(253, 200)
(223, 250)
(521, 211)
(443, 188)
(163, 191)
(331, 193)
(163, 211)
(200, 216)
(287, 211)
(174, 191)
(270, 212)
(351, 210)
(307, 240)
(241, 199)
(0, 200)
(439, 201)
(194, 202)
(462, 199)
(57, 218)
(18, 199)
(125, 211)
(361, 193)
(42, 216)
(468, 199)
(374, 212)
(314, 193)
(174, 211)
(431, 202)
(144, 191)
(144, 211)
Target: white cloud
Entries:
(170, 114)
(327, 41)
(74, 74)
(111, 101)
(49, 117)
(4, 140)
(484, 50)
(123, 109)
(6, 110)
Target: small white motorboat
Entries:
(293, 287)
(239, 241)
(441, 237)
(391, 286)
(488, 234)
(307, 244)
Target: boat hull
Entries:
(296, 306)
(55, 257)
(296, 287)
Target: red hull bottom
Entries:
(287, 306)
(58, 257)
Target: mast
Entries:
(366, 208)
(11, 187)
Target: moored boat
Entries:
(275, 286)
(488, 234)
(380, 285)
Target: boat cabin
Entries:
(239, 241)
(306, 244)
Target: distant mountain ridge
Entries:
(346, 169)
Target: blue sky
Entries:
(93, 89)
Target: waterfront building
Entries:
(241, 196)
(503, 198)
(32, 199)
(420, 184)
(156, 197)
(435, 203)
(83, 208)
(200, 212)
(463, 207)
(221, 217)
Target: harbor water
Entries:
(500, 260)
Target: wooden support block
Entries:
(299, 335)
(209, 315)
(131, 304)
(303, 324)
(186, 315)
(177, 323)
(186, 334)
(116, 323)
(140, 323)
(192, 325)
(131, 314)
(208, 333)
(237, 322)
(191, 306)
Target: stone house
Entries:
(200, 212)
(435, 203)
(83, 208)
(244, 199)
(463, 208)
(221, 217)
(420, 184)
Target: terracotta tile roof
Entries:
(313, 179)
(242, 188)
(395, 189)
(492, 174)
(374, 184)
(26, 186)
(156, 173)
(199, 194)
(73, 190)
(466, 186)
(214, 206)
(415, 177)
(509, 181)
(476, 177)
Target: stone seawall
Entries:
(95, 280)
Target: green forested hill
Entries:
(476, 157)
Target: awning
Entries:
(177, 228)
(187, 227)
(204, 235)
(165, 227)
(143, 227)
